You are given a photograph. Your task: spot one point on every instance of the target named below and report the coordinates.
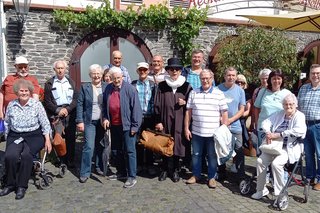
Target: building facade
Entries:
(42, 41)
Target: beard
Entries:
(23, 74)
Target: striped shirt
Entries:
(206, 110)
(309, 102)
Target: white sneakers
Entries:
(259, 194)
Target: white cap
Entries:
(142, 64)
(21, 60)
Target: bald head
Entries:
(116, 58)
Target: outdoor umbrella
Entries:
(303, 21)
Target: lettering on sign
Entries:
(314, 4)
(199, 3)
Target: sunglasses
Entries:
(240, 82)
(173, 69)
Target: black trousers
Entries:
(70, 136)
(145, 156)
(18, 158)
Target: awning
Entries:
(303, 21)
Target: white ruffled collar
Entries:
(175, 84)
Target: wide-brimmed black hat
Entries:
(174, 63)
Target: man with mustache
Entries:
(6, 93)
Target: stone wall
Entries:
(42, 41)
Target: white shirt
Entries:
(62, 91)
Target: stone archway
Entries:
(111, 38)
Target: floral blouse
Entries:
(26, 118)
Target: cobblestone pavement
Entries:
(149, 195)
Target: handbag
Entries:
(59, 143)
(274, 148)
(157, 142)
(2, 127)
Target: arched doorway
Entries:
(97, 48)
(312, 55)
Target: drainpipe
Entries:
(3, 70)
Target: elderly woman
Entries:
(263, 76)
(27, 132)
(270, 99)
(170, 107)
(88, 121)
(288, 125)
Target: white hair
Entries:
(264, 72)
(95, 67)
(114, 70)
(290, 97)
(64, 62)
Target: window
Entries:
(182, 3)
(132, 1)
(97, 48)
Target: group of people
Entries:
(182, 102)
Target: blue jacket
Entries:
(131, 112)
(84, 104)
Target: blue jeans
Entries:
(312, 146)
(93, 134)
(198, 144)
(124, 146)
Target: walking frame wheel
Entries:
(245, 186)
(62, 170)
(45, 182)
(282, 201)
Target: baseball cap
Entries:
(142, 64)
(21, 60)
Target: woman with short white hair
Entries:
(89, 108)
(286, 125)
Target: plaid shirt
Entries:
(145, 96)
(309, 102)
(193, 79)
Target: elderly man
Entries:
(207, 107)
(122, 113)
(6, 93)
(236, 102)
(157, 73)
(146, 91)
(116, 61)
(309, 104)
(60, 100)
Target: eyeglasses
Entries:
(205, 79)
(240, 82)
(143, 70)
(22, 66)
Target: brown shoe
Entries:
(316, 187)
(192, 180)
(212, 183)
